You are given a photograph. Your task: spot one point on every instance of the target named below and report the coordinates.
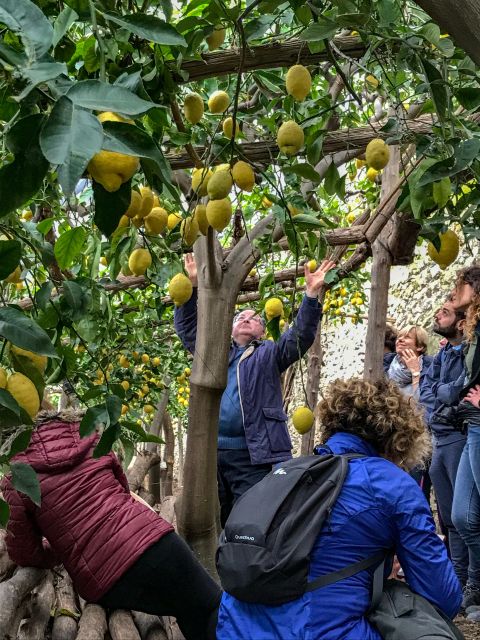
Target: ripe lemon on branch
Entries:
(156, 221)
(24, 392)
(298, 82)
(449, 248)
(220, 184)
(216, 38)
(273, 308)
(189, 230)
(290, 138)
(38, 361)
(377, 154)
(227, 127)
(200, 215)
(109, 168)
(303, 419)
(243, 175)
(139, 261)
(193, 108)
(218, 102)
(219, 213)
(200, 179)
(180, 289)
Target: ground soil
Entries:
(471, 630)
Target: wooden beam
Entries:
(267, 56)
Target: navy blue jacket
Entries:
(259, 383)
(440, 392)
(380, 507)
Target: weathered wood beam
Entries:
(267, 56)
(341, 140)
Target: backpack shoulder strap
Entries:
(348, 571)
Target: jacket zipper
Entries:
(245, 355)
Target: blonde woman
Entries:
(408, 368)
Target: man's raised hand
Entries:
(191, 268)
(315, 280)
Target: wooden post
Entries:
(382, 261)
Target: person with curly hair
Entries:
(466, 500)
(379, 508)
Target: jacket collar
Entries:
(342, 442)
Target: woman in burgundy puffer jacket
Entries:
(118, 552)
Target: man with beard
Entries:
(440, 396)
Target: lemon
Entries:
(123, 361)
(103, 261)
(372, 82)
(200, 215)
(273, 308)
(243, 175)
(303, 419)
(218, 102)
(125, 384)
(135, 204)
(173, 220)
(180, 289)
(38, 361)
(107, 116)
(351, 218)
(219, 213)
(343, 291)
(145, 358)
(3, 378)
(156, 221)
(148, 408)
(189, 231)
(181, 378)
(294, 211)
(193, 108)
(181, 390)
(266, 202)
(123, 222)
(298, 82)
(359, 163)
(147, 202)
(219, 185)
(137, 222)
(227, 127)
(139, 261)
(187, 371)
(372, 174)
(112, 169)
(252, 273)
(24, 392)
(156, 362)
(124, 409)
(449, 248)
(216, 38)
(200, 179)
(14, 276)
(27, 215)
(312, 265)
(290, 138)
(377, 154)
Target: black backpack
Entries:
(264, 552)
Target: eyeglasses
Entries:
(241, 317)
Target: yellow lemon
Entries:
(112, 169)
(189, 231)
(359, 163)
(135, 204)
(3, 378)
(187, 371)
(193, 108)
(294, 211)
(372, 82)
(303, 419)
(38, 361)
(173, 220)
(112, 117)
(219, 185)
(125, 384)
(156, 362)
(148, 408)
(139, 261)
(24, 392)
(312, 265)
(14, 276)
(200, 179)
(227, 127)
(449, 248)
(252, 273)
(216, 38)
(243, 175)
(145, 358)
(377, 154)
(290, 138)
(372, 174)
(298, 82)
(273, 308)
(137, 222)
(123, 222)
(200, 215)
(27, 215)
(219, 213)
(351, 218)
(156, 221)
(103, 261)
(145, 389)
(180, 289)
(147, 202)
(266, 202)
(218, 102)
(124, 409)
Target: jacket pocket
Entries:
(276, 427)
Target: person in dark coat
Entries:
(253, 432)
(391, 335)
(118, 551)
(379, 508)
(440, 395)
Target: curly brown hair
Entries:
(471, 276)
(381, 415)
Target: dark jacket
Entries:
(387, 360)
(380, 507)
(259, 383)
(440, 392)
(87, 520)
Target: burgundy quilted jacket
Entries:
(89, 520)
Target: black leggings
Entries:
(167, 580)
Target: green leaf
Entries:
(304, 220)
(110, 206)
(10, 254)
(273, 327)
(441, 192)
(63, 23)
(45, 225)
(20, 442)
(114, 408)
(469, 97)
(322, 30)
(264, 282)
(41, 72)
(465, 154)
(94, 416)
(331, 177)
(331, 277)
(105, 443)
(125, 138)
(438, 89)
(70, 138)
(304, 170)
(26, 19)
(10, 410)
(4, 513)
(42, 296)
(25, 480)
(257, 27)
(68, 246)
(73, 294)
(149, 28)
(23, 332)
(431, 32)
(143, 436)
(94, 94)
(21, 179)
